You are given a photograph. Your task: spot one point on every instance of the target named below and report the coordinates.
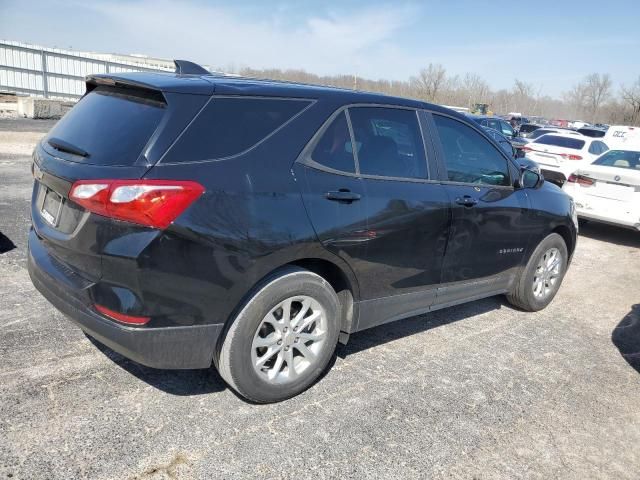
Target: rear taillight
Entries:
(570, 156)
(121, 317)
(153, 203)
(580, 180)
(527, 149)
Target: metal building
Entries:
(57, 73)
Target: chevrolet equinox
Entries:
(189, 219)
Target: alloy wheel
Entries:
(547, 273)
(289, 340)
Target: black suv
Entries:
(186, 220)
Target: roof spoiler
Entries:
(185, 67)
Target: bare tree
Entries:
(430, 81)
(597, 90)
(631, 97)
(523, 89)
(474, 89)
(592, 98)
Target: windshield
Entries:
(558, 141)
(620, 159)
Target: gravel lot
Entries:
(475, 391)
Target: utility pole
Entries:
(355, 81)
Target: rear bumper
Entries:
(604, 210)
(166, 347)
(604, 217)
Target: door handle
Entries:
(466, 201)
(343, 196)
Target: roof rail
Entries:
(185, 67)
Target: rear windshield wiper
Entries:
(63, 146)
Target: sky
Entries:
(550, 44)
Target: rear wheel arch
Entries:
(343, 282)
(339, 281)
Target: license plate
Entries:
(51, 207)
(614, 192)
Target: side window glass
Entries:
(389, 142)
(468, 156)
(594, 148)
(334, 150)
(506, 146)
(507, 129)
(603, 147)
(229, 126)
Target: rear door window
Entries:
(111, 125)
(389, 142)
(229, 126)
(334, 149)
(603, 146)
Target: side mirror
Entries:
(530, 178)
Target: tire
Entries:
(526, 293)
(262, 320)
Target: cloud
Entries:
(326, 42)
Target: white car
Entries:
(531, 137)
(560, 154)
(620, 136)
(608, 190)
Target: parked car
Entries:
(545, 130)
(512, 146)
(190, 219)
(526, 129)
(577, 124)
(608, 190)
(495, 123)
(560, 154)
(592, 132)
(621, 136)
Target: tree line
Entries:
(594, 99)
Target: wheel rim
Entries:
(547, 273)
(289, 340)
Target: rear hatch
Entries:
(118, 130)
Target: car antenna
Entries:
(185, 67)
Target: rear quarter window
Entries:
(229, 126)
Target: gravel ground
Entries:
(476, 391)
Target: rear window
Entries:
(589, 132)
(620, 159)
(564, 142)
(229, 126)
(528, 128)
(112, 125)
(540, 132)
